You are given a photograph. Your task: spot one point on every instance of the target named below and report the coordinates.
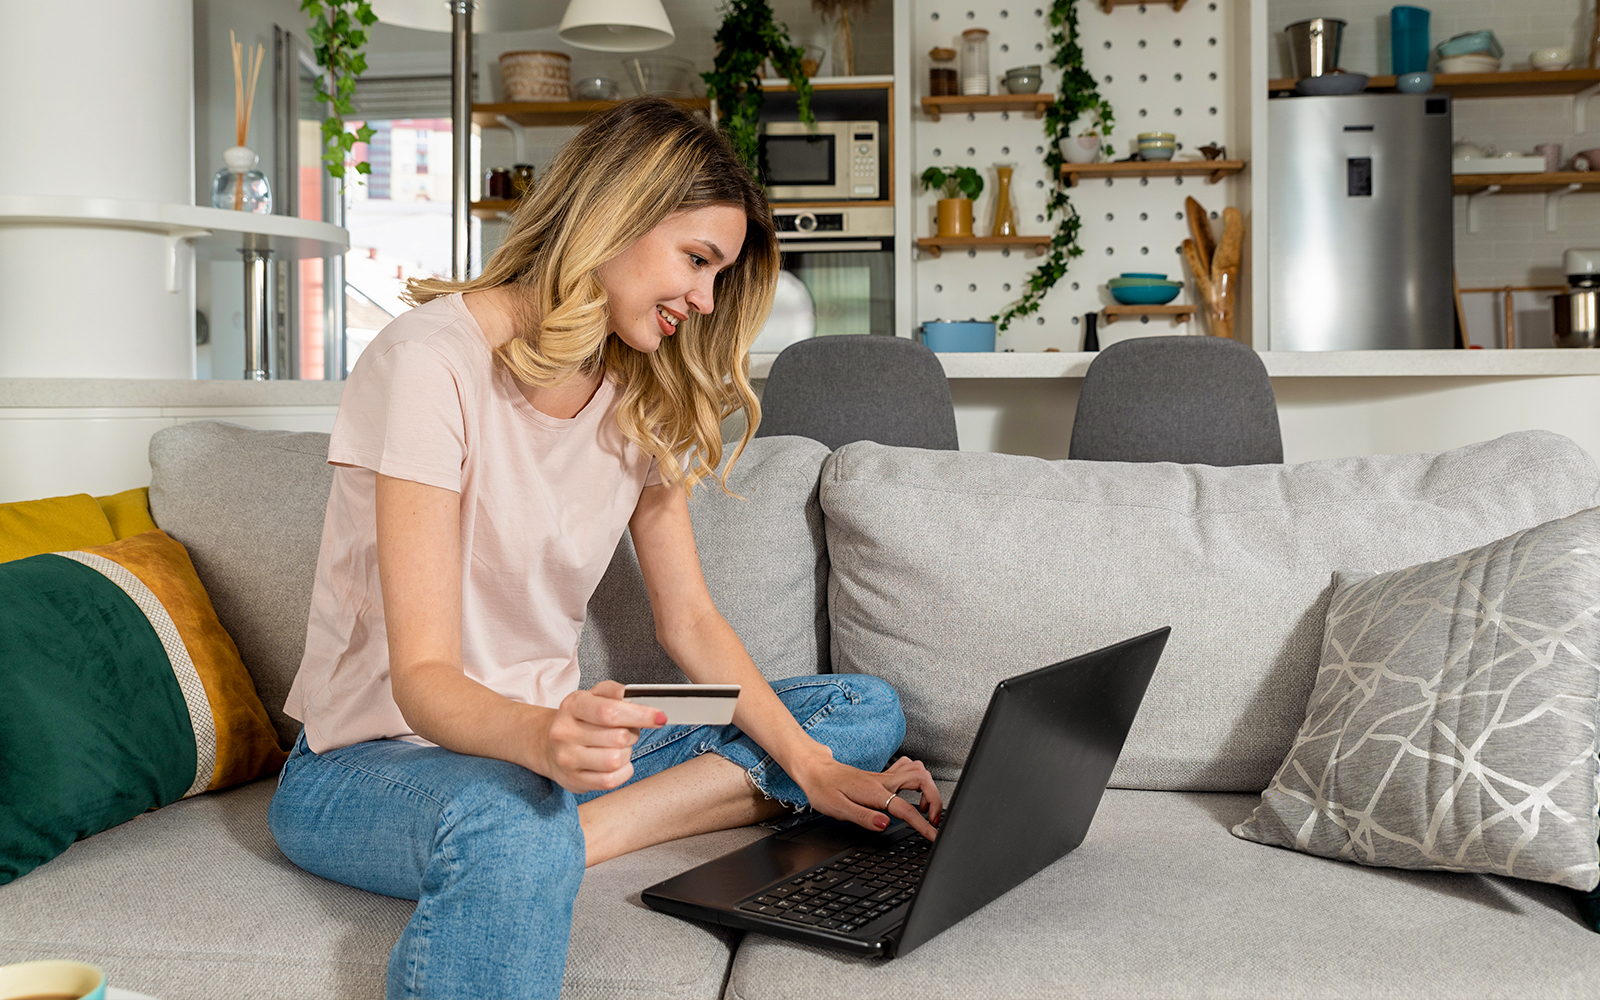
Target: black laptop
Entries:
(1031, 784)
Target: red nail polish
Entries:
(882, 822)
(661, 718)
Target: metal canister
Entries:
(1577, 317)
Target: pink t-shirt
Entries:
(543, 503)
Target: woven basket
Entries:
(536, 76)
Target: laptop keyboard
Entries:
(850, 891)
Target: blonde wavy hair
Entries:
(610, 185)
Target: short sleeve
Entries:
(653, 477)
(402, 416)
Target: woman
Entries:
(490, 448)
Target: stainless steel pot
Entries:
(1577, 315)
(1314, 45)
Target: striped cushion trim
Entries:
(194, 692)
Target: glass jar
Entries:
(943, 77)
(239, 186)
(522, 180)
(974, 61)
(497, 185)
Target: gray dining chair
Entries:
(1194, 400)
(859, 388)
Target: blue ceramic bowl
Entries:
(969, 337)
(1142, 282)
(1145, 295)
(1142, 274)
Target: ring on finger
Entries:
(888, 801)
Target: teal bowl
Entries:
(1142, 274)
(1146, 295)
(964, 338)
(1143, 283)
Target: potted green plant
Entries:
(960, 187)
(747, 38)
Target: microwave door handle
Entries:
(786, 246)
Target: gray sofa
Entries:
(941, 572)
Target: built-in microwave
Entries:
(832, 161)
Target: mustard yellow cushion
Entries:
(128, 512)
(33, 527)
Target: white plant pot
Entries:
(1080, 149)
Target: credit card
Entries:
(687, 704)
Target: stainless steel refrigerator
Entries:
(1361, 228)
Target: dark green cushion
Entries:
(94, 729)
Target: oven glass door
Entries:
(851, 290)
(801, 160)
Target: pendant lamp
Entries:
(616, 25)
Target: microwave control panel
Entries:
(863, 160)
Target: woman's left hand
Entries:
(871, 799)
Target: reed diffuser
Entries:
(239, 185)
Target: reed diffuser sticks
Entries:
(244, 99)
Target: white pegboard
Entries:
(1162, 71)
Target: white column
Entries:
(96, 100)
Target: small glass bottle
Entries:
(974, 62)
(943, 77)
(239, 186)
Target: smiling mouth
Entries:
(669, 322)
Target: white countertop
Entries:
(36, 393)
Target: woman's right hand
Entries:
(588, 743)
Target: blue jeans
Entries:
(493, 853)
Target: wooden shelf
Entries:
(1106, 5)
(1178, 313)
(1519, 83)
(936, 245)
(1033, 104)
(555, 114)
(1525, 183)
(494, 208)
(1216, 169)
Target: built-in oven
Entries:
(838, 275)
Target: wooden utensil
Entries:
(1200, 229)
(1225, 272)
(1202, 274)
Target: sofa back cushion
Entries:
(951, 571)
(249, 507)
(765, 563)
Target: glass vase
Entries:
(1005, 213)
(239, 186)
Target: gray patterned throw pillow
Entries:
(1453, 721)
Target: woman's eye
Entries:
(699, 261)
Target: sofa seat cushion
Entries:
(195, 900)
(954, 570)
(1162, 901)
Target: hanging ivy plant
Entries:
(747, 38)
(337, 34)
(1078, 97)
